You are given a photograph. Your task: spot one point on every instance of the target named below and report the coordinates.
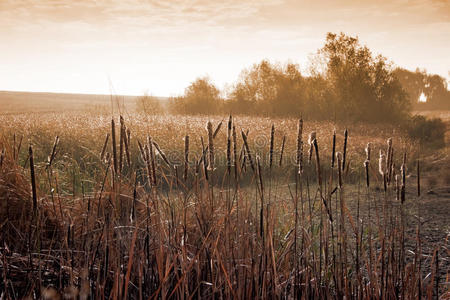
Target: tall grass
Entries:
(144, 230)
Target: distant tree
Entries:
(363, 88)
(149, 105)
(268, 89)
(200, 97)
(434, 88)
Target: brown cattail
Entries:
(205, 158)
(382, 165)
(344, 156)
(388, 158)
(211, 145)
(333, 151)
(2, 157)
(102, 154)
(272, 136)
(129, 137)
(366, 167)
(368, 148)
(235, 158)
(261, 211)
(113, 139)
(247, 149)
(230, 120)
(53, 153)
(282, 150)
(121, 142)
(339, 165)
(148, 164)
(186, 157)
(299, 160)
(418, 178)
(33, 179)
(403, 188)
(217, 129)
(312, 137)
(14, 146)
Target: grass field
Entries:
(169, 207)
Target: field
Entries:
(204, 206)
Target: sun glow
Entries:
(422, 98)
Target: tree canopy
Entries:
(347, 83)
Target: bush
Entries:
(429, 132)
(149, 105)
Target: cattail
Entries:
(217, 129)
(205, 158)
(247, 149)
(186, 157)
(366, 166)
(162, 154)
(272, 136)
(148, 164)
(299, 160)
(126, 146)
(53, 153)
(211, 145)
(312, 137)
(344, 156)
(418, 178)
(388, 158)
(121, 142)
(102, 154)
(230, 120)
(261, 211)
(339, 165)
(333, 151)
(33, 179)
(382, 164)
(14, 146)
(113, 138)
(235, 158)
(129, 137)
(2, 157)
(282, 150)
(403, 188)
(368, 147)
(152, 158)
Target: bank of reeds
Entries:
(147, 230)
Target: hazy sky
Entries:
(162, 46)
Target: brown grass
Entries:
(267, 231)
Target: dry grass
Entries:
(146, 229)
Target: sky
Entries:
(160, 46)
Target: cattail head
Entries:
(312, 137)
(382, 164)
(210, 144)
(368, 151)
(366, 163)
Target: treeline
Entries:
(346, 83)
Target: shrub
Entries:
(429, 132)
